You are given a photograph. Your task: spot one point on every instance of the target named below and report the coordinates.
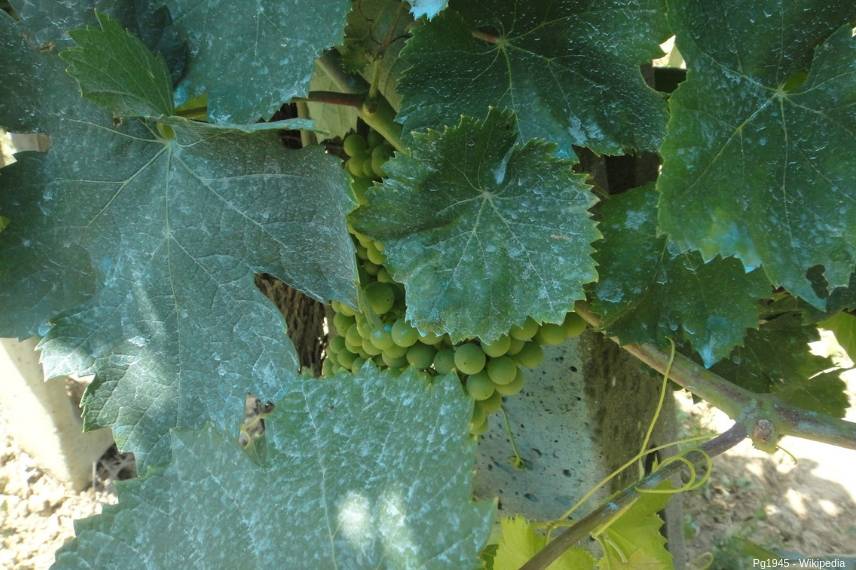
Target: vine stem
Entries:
(770, 417)
(334, 98)
(375, 111)
(602, 515)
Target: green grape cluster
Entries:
(378, 331)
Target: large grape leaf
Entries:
(176, 218)
(570, 70)
(365, 471)
(760, 157)
(483, 230)
(253, 59)
(648, 292)
(49, 22)
(776, 358)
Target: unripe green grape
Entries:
(370, 268)
(531, 355)
(380, 296)
(479, 386)
(337, 344)
(374, 138)
(492, 404)
(381, 339)
(394, 362)
(358, 363)
(369, 348)
(326, 367)
(368, 171)
(355, 347)
(525, 331)
(341, 322)
(420, 355)
(480, 428)
(430, 339)
(379, 245)
(501, 370)
(498, 347)
(396, 351)
(551, 334)
(345, 358)
(574, 325)
(355, 167)
(362, 239)
(354, 145)
(374, 255)
(342, 308)
(363, 327)
(514, 387)
(516, 346)
(362, 253)
(469, 358)
(353, 337)
(403, 334)
(444, 361)
(383, 275)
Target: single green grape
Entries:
(525, 331)
(362, 253)
(345, 358)
(403, 334)
(355, 347)
(379, 246)
(381, 339)
(341, 322)
(394, 362)
(515, 346)
(420, 355)
(363, 327)
(369, 348)
(383, 275)
(358, 363)
(380, 296)
(396, 351)
(444, 361)
(374, 255)
(531, 355)
(501, 370)
(342, 308)
(469, 358)
(371, 268)
(337, 344)
(354, 144)
(355, 167)
(368, 171)
(492, 404)
(514, 387)
(430, 339)
(353, 336)
(479, 386)
(551, 334)
(574, 325)
(498, 347)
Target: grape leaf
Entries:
(519, 542)
(364, 471)
(759, 158)
(176, 218)
(48, 22)
(634, 539)
(843, 325)
(428, 8)
(647, 292)
(482, 230)
(776, 358)
(373, 26)
(569, 70)
(253, 60)
(331, 121)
